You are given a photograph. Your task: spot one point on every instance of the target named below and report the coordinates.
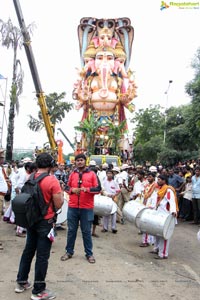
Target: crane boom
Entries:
(70, 143)
(39, 92)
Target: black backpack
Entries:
(29, 206)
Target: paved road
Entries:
(122, 271)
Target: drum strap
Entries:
(162, 192)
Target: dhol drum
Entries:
(131, 210)
(156, 223)
(62, 213)
(104, 206)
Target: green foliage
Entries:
(18, 155)
(148, 151)
(57, 109)
(13, 93)
(182, 135)
(175, 116)
(193, 90)
(138, 153)
(196, 63)
(153, 147)
(149, 122)
(89, 127)
(180, 140)
(169, 157)
(11, 37)
(115, 133)
(179, 135)
(182, 125)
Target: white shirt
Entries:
(138, 188)
(118, 179)
(110, 187)
(102, 176)
(21, 177)
(187, 194)
(13, 178)
(124, 176)
(3, 183)
(168, 200)
(152, 200)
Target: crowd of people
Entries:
(175, 190)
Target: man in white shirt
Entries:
(139, 186)
(9, 215)
(166, 202)
(102, 174)
(150, 200)
(124, 196)
(196, 196)
(3, 185)
(110, 188)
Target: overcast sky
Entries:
(165, 42)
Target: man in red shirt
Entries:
(81, 187)
(37, 236)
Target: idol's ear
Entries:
(86, 30)
(126, 35)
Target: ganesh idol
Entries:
(104, 86)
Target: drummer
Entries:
(166, 202)
(110, 188)
(150, 199)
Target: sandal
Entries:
(154, 252)
(95, 235)
(22, 235)
(66, 256)
(159, 257)
(91, 259)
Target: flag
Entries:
(1, 77)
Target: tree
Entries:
(150, 150)
(149, 122)
(179, 135)
(56, 110)
(181, 139)
(169, 157)
(193, 90)
(11, 37)
(182, 127)
(89, 127)
(115, 133)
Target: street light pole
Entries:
(166, 106)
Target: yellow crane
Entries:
(39, 92)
